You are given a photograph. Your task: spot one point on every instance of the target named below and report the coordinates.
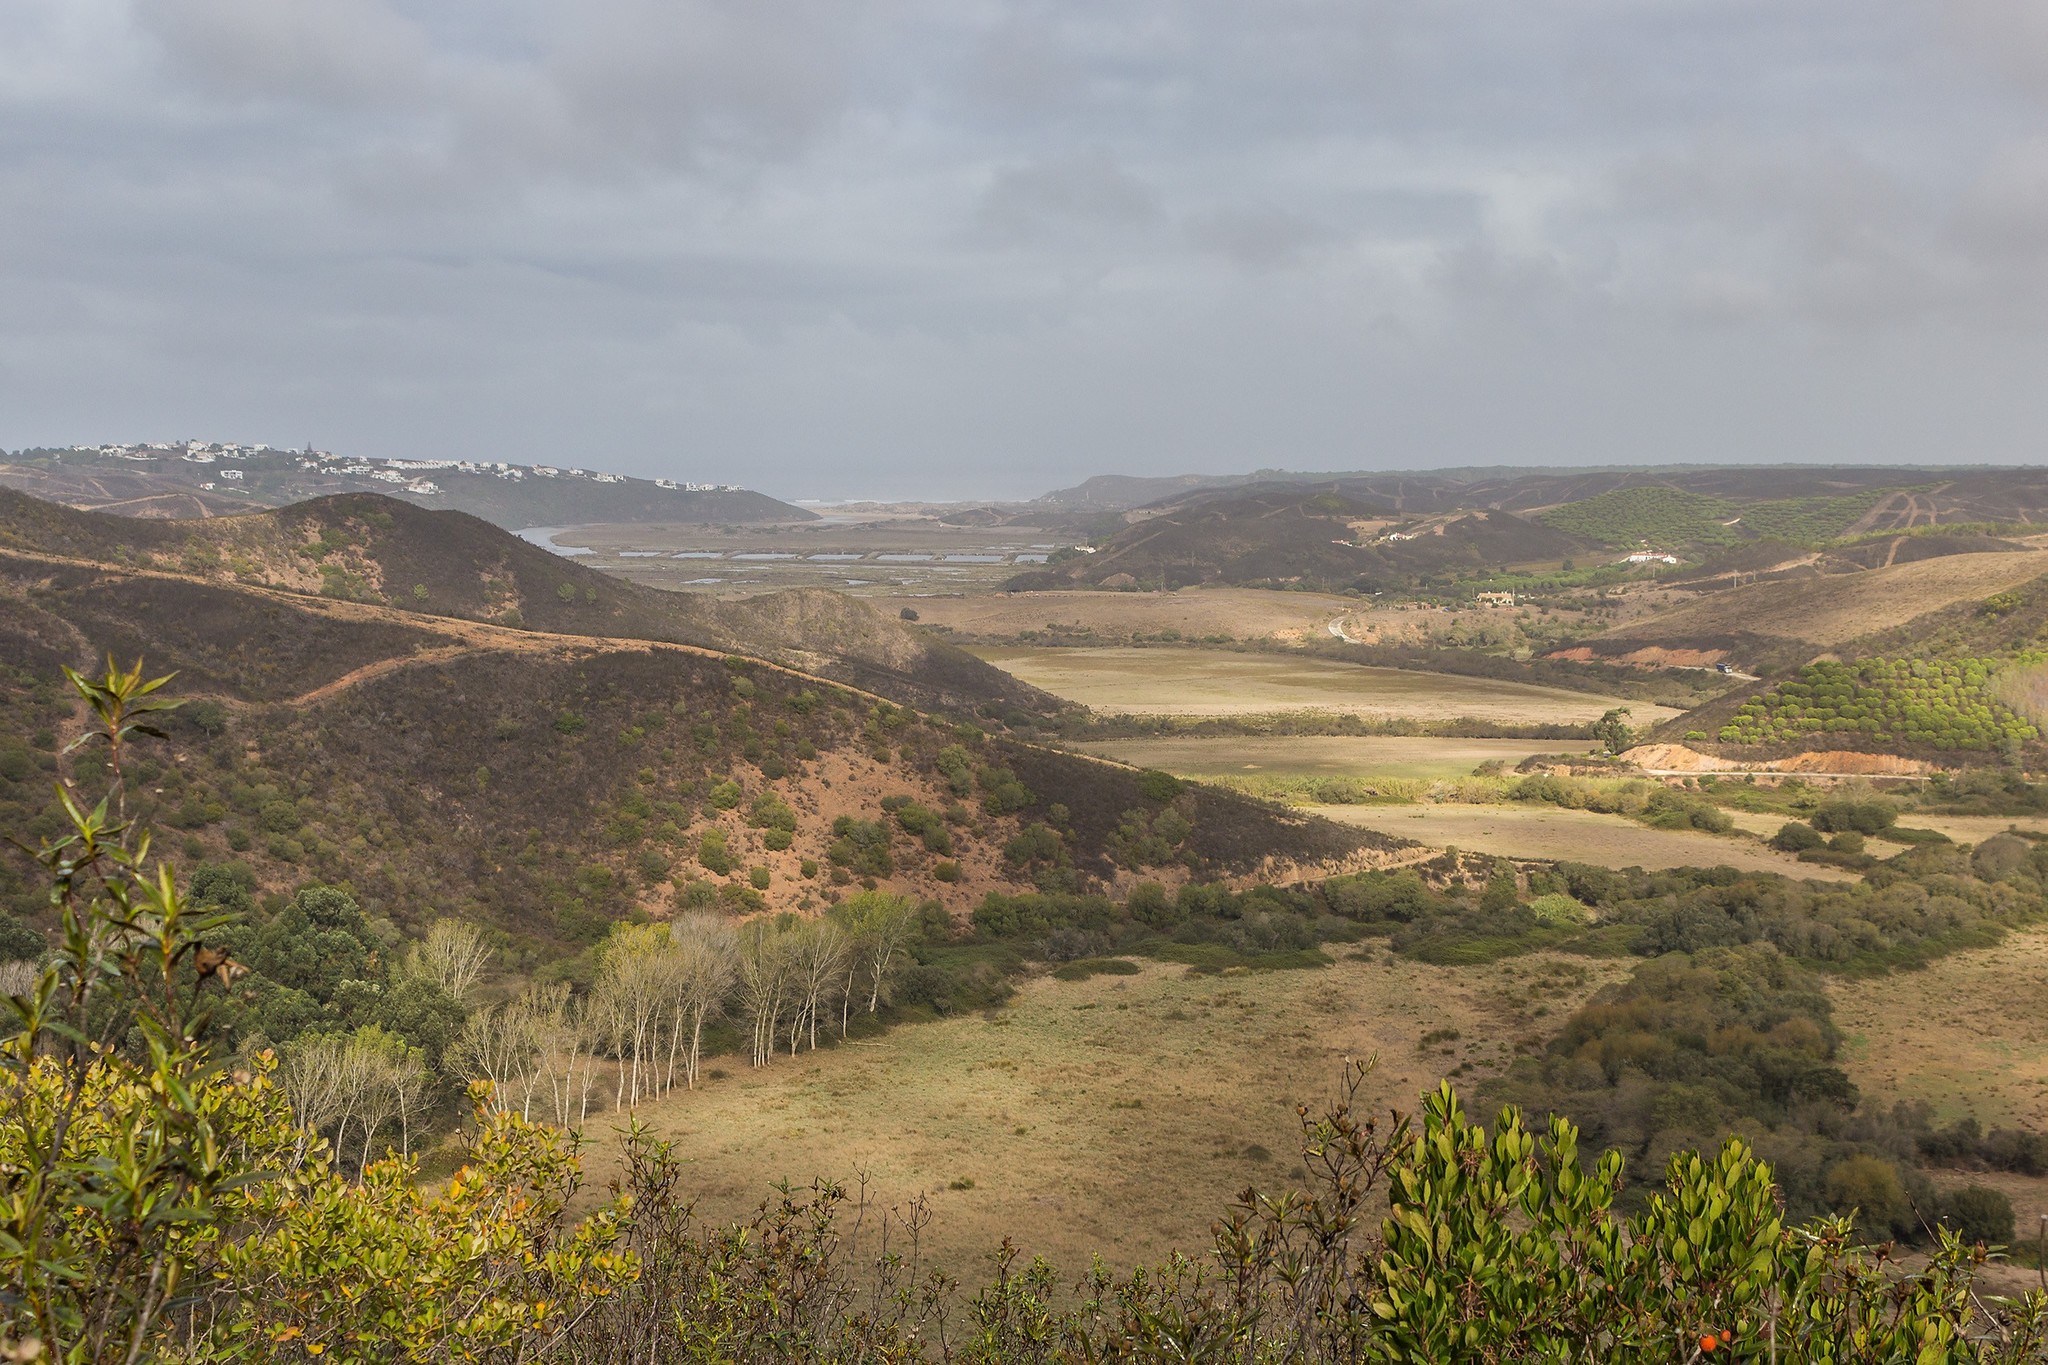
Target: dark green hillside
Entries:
(251, 646)
(1658, 517)
(1292, 536)
(373, 549)
(552, 784)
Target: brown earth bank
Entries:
(1677, 758)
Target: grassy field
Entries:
(1534, 831)
(1964, 829)
(1115, 1115)
(1193, 682)
(1419, 758)
(1240, 613)
(1967, 1035)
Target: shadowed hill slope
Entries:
(551, 783)
(364, 547)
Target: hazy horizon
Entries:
(908, 250)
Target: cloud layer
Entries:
(900, 247)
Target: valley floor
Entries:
(1116, 1115)
(1366, 757)
(1968, 1034)
(1514, 830)
(1207, 682)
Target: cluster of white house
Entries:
(406, 474)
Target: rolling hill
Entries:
(369, 548)
(187, 479)
(1893, 497)
(550, 780)
(1288, 536)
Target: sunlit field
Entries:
(1515, 830)
(1193, 682)
(1116, 1115)
(1282, 756)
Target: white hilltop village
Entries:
(408, 475)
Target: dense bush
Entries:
(1934, 703)
(1795, 836)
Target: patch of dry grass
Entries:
(1116, 1115)
(1968, 1035)
(1418, 758)
(1240, 613)
(1514, 830)
(1194, 682)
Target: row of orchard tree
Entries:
(551, 1052)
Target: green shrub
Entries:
(1869, 1188)
(1095, 966)
(1979, 1215)
(2000, 856)
(1851, 816)
(1796, 837)
(1558, 909)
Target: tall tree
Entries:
(708, 951)
(453, 956)
(764, 963)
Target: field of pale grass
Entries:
(1115, 1115)
(1968, 1034)
(1283, 757)
(1170, 681)
(1528, 830)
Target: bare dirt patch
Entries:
(1118, 1114)
(1193, 682)
(1526, 831)
(1677, 758)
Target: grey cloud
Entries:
(342, 52)
(864, 245)
(1086, 188)
(1255, 237)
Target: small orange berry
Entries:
(1709, 1342)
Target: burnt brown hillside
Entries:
(372, 549)
(553, 782)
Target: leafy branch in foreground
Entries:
(113, 1150)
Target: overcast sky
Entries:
(963, 247)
